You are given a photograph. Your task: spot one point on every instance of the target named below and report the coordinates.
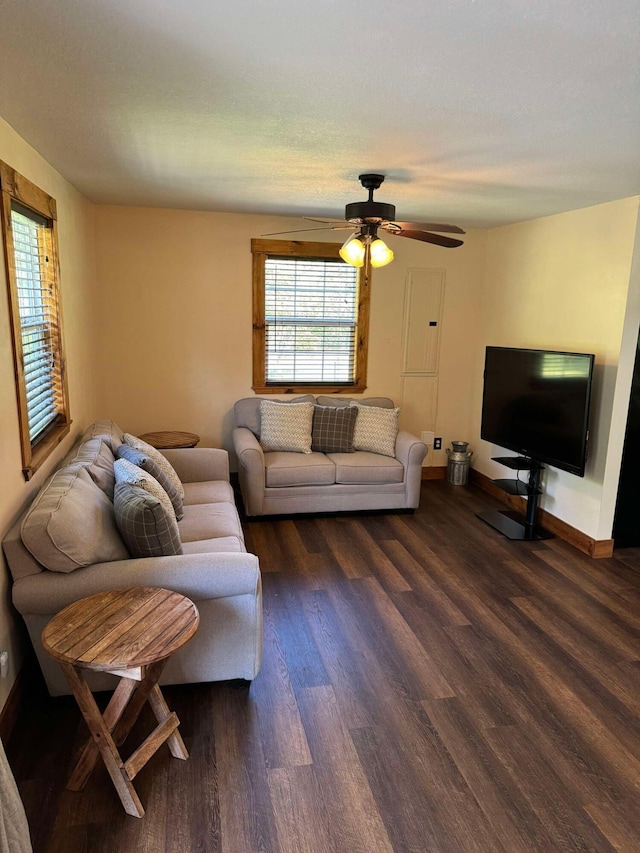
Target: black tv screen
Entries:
(536, 402)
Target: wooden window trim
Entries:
(15, 187)
(260, 249)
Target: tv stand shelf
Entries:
(518, 463)
(512, 524)
(515, 487)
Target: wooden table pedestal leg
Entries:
(175, 742)
(111, 717)
(103, 740)
(110, 730)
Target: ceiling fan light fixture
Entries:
(353, 251)
(381, 254)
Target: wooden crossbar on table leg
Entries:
(143, 753)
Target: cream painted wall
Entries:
(157, 318)
(562, 282)
(76, 244)
(175, 319)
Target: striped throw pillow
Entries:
(376, 430)
(286, 426)
(144, 461)
(127, 473)
(157, 457)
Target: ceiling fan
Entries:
(368, 217)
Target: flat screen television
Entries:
(536, 402)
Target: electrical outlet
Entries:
(437, 443)
(428, 436)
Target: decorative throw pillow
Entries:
(144, 461)
(127, 473)
(332, 430)
(68, 504)
(286, 426)
(157, 457)
(147, 528)
(101, 470)
(376, 430)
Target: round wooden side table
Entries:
(130, 633)
(170, 439)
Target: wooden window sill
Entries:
(309, 389)
(41, 452)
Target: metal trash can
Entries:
(458, 463)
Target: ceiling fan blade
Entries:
(439, 240)
(298, 230)
(428, 226)
(326, 221)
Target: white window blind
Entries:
(39, 320)
(311, 309)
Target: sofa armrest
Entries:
(250, 469)
(411, 451)
(198, 576)
(199, 464)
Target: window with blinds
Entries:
(310, 318)
(38, 314)
(29, 231)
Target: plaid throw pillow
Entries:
(332, 430)
(147, 529)
(144, 461)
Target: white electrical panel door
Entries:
(423, 301)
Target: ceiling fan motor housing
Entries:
(376, 211)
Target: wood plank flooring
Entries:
(428, 687)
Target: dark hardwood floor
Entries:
(428, 686)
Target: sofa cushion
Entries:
(246, 412)
(96, 456)
(295, 469)
(145, 524)
(221, 545)
(157, 457)
(144, 461)
(332, 428)
(209, 521)
(285, 426)
(69, 503)
(376, 429)
(108, 431)
(127, 473)
(362, 467)
(208, 492)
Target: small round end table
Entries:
(170, 439)
(130, 633)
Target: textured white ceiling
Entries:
(480, 112)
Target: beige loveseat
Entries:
(72, 523)
(275, 483)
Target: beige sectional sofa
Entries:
(281, 482)
(75, 550)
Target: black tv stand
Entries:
(512, 524)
